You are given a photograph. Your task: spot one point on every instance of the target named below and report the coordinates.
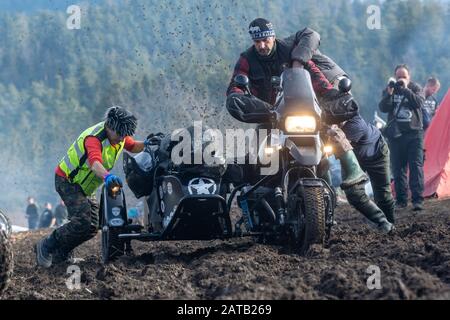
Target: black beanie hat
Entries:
(261, 28)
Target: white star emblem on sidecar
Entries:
(199, 186)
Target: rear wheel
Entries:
(112, 246)
(5, 224)
(312, 217)
(6, 262)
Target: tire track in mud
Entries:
(409, 257)
(414, 264)
(192, 260)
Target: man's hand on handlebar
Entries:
(112, 181)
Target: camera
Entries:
(394, 84)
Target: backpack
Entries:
(140, 168)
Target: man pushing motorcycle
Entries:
(268, 57)
(84, 168)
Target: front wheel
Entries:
(112, 246)
(6, 262)
(312, 217)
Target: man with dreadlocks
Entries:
(79, 174)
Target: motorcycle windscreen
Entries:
(299, 96)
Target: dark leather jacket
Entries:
(406, 106)
(302, 46)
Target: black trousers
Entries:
(379, 172)
(33, 222)
(407, 153)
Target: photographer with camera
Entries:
(403, 101)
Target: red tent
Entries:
(437, 158)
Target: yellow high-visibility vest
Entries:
(75, 164)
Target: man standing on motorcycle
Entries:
(267, 57)
(84, 168)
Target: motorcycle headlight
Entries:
(300, 124)
(328, 149)
(379, 125)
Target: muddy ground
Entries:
(414, 264)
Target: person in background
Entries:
(431, 104)
(403, 101)
(32, 214)
(47, 219)
(133, 214)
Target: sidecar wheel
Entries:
(112, 246)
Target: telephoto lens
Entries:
(400, 83)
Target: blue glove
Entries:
(112, 180)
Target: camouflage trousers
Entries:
(83, 216)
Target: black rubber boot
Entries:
(389, 212)
(357, 197)
(351, 171)
(385, 227)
